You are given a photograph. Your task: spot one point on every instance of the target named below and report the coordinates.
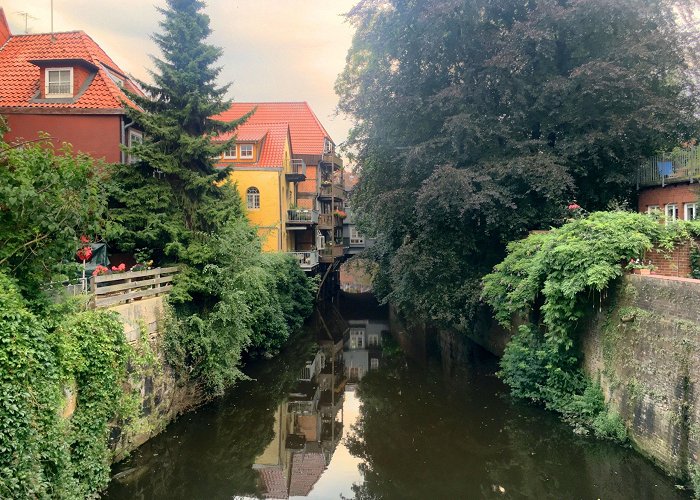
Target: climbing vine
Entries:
(554, 279)
(52, 445)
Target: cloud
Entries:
(273, 50)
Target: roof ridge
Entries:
(117, 94)
(47, 33)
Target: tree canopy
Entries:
(477, 121)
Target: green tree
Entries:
(47, 201)
(477, 121)
(228, 298)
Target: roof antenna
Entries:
(53, 38)
(27, 16)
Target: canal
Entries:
(352, 409)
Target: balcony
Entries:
(299, 219)
(330, 253)
(297, 171)
(332, 159)
(326, 221)
(332, 191)
(670, 168)
(308, 261)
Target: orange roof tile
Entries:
(271, 136)
(19, 78)
(307, 133)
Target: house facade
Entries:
(310, 215)
(669, 183)
(66, 86)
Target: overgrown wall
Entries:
(645, 351)
(160, 395)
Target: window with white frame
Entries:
(230, 153)
(58, 82)
(246, 151)
(652, 208)
(357, 338)
(135, 138)
(355, 237)
(690, 211)
(374, 363)
(373, 340)
(253, 198)
(671, 212)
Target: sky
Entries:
(274, 50)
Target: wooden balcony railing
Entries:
(119, 288)
(332, 191)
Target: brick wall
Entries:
(675, 263)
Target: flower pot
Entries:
(643, 272)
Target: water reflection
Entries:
(343, 413)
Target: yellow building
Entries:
(266, 178)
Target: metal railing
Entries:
(326, 221)
(112, 289)
(313, 367)
(306, 260)
(298, 166)
(332, 190)
(670, 168)
(308, 216)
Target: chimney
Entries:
(5, 32)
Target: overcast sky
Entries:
(274, 50)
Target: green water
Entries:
(379, 423)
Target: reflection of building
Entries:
(362, 351)
(306, 431)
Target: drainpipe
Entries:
(123, 136)
(282, 221)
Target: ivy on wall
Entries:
(44, 454)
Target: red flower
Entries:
(100, 270)
(574, 206)
(84, 239)
(84, 254)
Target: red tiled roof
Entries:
(274, 482)
(19, 78)
(307, 133)
(307, 469)
(272, 137)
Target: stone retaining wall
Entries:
(645, 352)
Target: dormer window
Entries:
(59, 82)
(230, 153)
(246, 151)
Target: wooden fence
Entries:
(112, 289)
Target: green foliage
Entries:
(695, 262)
(228, 297)
(552, 277)
(48, 200)
(43, 454)
(477, 121)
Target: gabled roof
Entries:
(19, 78)
(307, 133)
(271, 136)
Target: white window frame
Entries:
(247, 156)
(50, 95)
(687, 207)
(374, 363)
(252, 198)
(134, 135)
(373, 340)
(355, 237)
(652, 208)
(357, 338)
(228, 155)
(671, 217)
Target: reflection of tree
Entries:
(209, 453)
(420, 435)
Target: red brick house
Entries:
(65, 85)
(669, 183)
